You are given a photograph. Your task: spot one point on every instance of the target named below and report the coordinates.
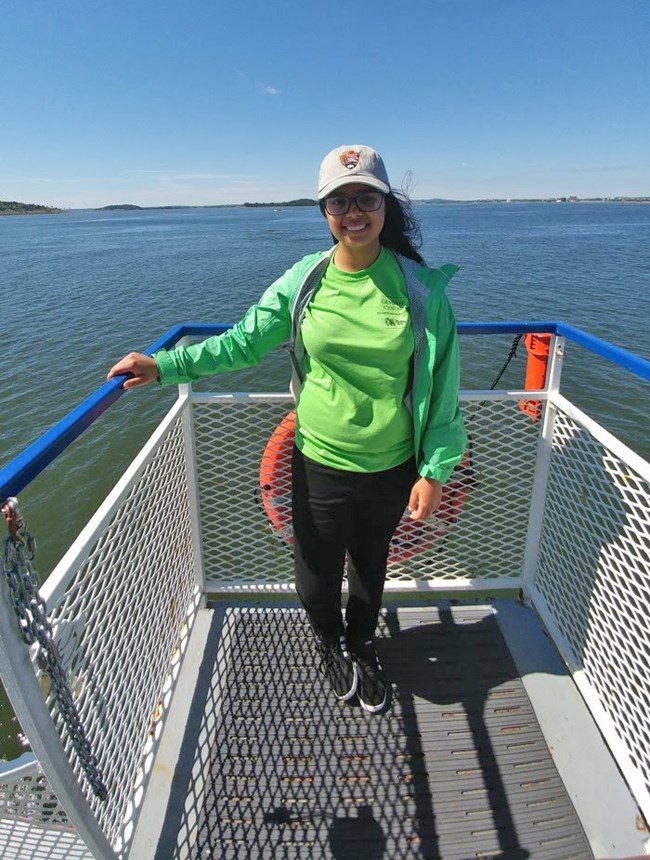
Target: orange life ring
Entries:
(275, 476)
(538, 347)
(410, 537)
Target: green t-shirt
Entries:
(359, 342)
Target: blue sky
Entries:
(202, 102)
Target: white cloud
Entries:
(202, 176)
(263, 88)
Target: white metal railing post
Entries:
(189, 441)
(30, 708)
(542, 466)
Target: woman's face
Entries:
(356, 229)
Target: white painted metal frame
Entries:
(22, 687)
(147, 523)
(481, 549)
(596, 613)
(553, 378)
(32, 821)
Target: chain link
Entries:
(511, 354)
(469, 421)
(36, 627)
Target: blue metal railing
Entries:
(628, 360)
(20, 471)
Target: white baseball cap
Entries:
(352, 163)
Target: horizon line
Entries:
(308, 201)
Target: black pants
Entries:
(335, 511)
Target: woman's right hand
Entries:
(142, 370)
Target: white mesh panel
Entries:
(479, 536)
(121, 627)
(240, 547)
(487, 539)
(594, 574)
(33, 824)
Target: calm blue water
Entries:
(81, 289)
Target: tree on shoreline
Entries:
(13, 207)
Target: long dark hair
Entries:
(401, 231)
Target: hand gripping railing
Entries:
(20, 471)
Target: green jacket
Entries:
(439, 435)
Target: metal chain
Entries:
(511, 355)
(35, 626)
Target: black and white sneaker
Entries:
(373, 688)
(338, 667)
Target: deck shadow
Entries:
(281, 769)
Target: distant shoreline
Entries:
(309, 202)
(14, 208)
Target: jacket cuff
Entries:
(436, 473)
(167, 373)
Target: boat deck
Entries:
(270, 765)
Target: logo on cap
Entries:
(349, 158)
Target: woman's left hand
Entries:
(425, 498)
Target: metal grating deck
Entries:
(457, 769)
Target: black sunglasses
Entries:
(366, 201)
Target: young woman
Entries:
(373, 345)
